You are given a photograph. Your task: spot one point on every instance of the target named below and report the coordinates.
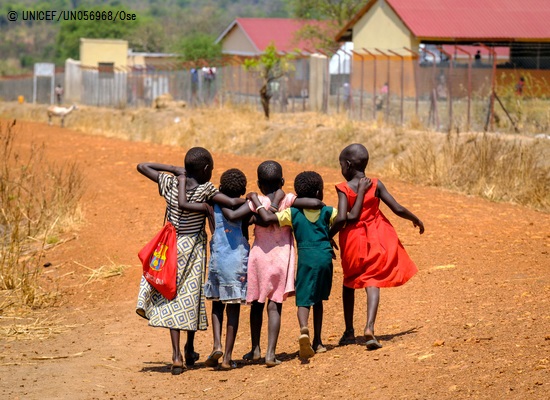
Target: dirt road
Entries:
(473, 323)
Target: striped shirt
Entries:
(185, 222)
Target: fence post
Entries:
(415, 80)
(362, 78)
(433, 108)
(402, 80)
(469, 85)
(491, 116)
(450, 86)
(373, 83)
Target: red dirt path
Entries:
(473, 323)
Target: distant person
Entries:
(477, 58)
(59, 93)
(520, 85)
(441, 89)
(381, 98)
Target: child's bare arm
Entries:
(183, 204)
(152, 170)
(279, 196)
(266, 216)
(341, 217)
(308, 202)
(383, 194)
(362, 187)
(226, 201)
(235, 215)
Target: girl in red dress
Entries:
(372, 255)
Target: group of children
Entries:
(266, 272)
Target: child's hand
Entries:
(364, 184)
(179, 171)
(334, 246)
(250, 195)
(420, 225)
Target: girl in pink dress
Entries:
(271, 261)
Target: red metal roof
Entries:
(484, 20)
(281, 31)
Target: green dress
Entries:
(314, 275)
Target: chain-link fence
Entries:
(451, 90)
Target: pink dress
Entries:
(272, 258)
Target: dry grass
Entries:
(499, 167)
(39, 201)
(104, 271)
(31, 328)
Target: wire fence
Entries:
(447, 91)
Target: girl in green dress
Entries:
(315, 254)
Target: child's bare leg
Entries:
(256, 320)
(217, 321)
(373, 298)
(189, 349)
(348, 301)
(273, 327)
(177, 358)
(303, 316)
(233, 312)
(317, 327)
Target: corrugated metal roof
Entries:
(484, 20)
(280, 31)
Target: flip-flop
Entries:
(348, 337)
(320, 349)
(177, 369)
(250, 357)
(372, 343)
(306, 351)
(212, 360)
(191, 358)
(273, 363)
(232, 365)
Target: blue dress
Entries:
(228, 261)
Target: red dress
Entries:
(371, 252)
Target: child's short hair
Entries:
(197, 158)
(233, 183)
(308, 184)
(270, 172)
(357, 154)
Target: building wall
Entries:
(381, 28)
(236, 42)
(94, 51)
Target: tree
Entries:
(339, 11)
(336, 13)
(199, 46)
(70, 32)
(271, 67)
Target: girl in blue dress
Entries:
(226, 284)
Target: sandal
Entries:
(273, 363)
(232, 365)
(190, 359)
(177, 369)
(348, 337)
(306, 351)
(372, 343)
(212, 360)
(250, 357)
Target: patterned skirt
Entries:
(187, 311)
